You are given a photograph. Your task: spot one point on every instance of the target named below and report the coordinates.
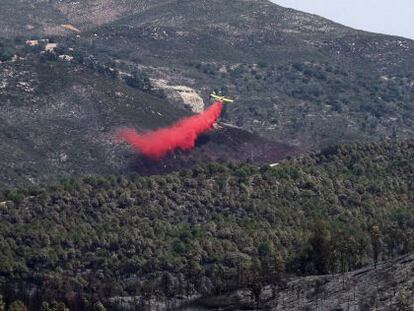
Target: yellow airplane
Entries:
(221, 98)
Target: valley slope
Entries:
(209, 230)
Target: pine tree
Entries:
(319, 243)
(376, 243)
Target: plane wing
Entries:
(222, 98)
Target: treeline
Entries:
(207, 230)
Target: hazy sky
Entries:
(394, 17)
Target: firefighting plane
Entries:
(220, 98)
(223, 100)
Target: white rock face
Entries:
(188, 95)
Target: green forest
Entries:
(207, 230)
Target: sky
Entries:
(394, 17)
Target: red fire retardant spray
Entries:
(181, 135)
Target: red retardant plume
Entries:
(181, 135)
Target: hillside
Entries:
(386, 286)
(58, 118)
(300, 81)
(296, 77)
(209, 230)
(45, 17)
(300, 197)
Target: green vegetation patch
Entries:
(213, 228)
